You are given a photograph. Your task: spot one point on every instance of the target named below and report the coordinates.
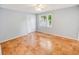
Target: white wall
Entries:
(78, 25)
(65, 23)
(14, 23)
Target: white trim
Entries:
(12, 38)
(38, 31)
(65, 37)
(16, 37)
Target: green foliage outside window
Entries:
(44, 18)
(50, 19)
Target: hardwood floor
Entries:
(40, 44)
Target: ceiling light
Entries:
(39, 7)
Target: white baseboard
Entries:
(15, 37)
(37, 31)
(11, 38)
(65, 37)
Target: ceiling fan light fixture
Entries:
(39, 7)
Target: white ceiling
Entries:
(30, 8)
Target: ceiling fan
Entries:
(39, 7)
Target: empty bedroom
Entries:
(39, 29)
